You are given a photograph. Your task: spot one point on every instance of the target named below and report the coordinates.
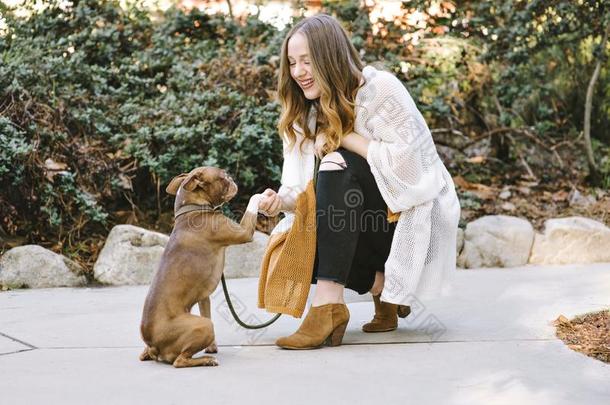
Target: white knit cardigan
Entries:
(411, 178)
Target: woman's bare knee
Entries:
(333, 161)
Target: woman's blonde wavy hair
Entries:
(336, 68)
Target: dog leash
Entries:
(226, 291)
(224, 282)
(236, 317)
(209, 208)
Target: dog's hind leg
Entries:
(197, 334)
(148, 354)
(144, 355)
(205, 311)
(212, 348)
(183, 361)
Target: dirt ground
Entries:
(535, 202)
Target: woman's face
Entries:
(300, 66)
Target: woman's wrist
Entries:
(283, 207)
(286, 205)
(356, 143)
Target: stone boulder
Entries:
(496, 241)
(130, 256)
(571, 240)
(459, 241)
(33, 266)
(245, 260)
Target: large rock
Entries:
(571, 240)
(459, 242)
(33, 266)
(130, 256)
(245, 260)
(496, 241)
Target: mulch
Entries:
(588, 334)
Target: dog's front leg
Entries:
(243, 232)
(205, 308)
(206, 311)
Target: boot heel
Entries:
(336, 337)
(403, 311)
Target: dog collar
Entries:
(196, 207)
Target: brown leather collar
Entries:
(196, 207)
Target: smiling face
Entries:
(301, 68)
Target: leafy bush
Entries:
(495, 72)
(102, 107)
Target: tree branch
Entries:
(230, 9)
(593, 171)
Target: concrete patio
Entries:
(490, 340)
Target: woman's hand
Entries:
(270, 203)
(356, 143)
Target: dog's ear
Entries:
(193, 181)
(174, 184)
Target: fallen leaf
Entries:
(53, 168)
(528, 183)
(125, 182)
(50, 164)
(476, 159)
(480, 190)
(439, 30)
(449, 6)
(560, 195)
(508, 206)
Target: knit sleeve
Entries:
(401, 153)
(289, 190)
(294, 172)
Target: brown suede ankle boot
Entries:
(403, 311)
(386, 316)
(322, 324)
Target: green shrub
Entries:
(125, 104)
(102, 105)
(14, 148)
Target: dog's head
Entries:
(203, 184)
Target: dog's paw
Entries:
(146, 355)
(254, 203)
(211, 348)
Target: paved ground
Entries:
(490, 340)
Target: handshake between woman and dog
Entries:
(191, 267)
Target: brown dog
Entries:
(191, 266)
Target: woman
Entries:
(378, 163)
